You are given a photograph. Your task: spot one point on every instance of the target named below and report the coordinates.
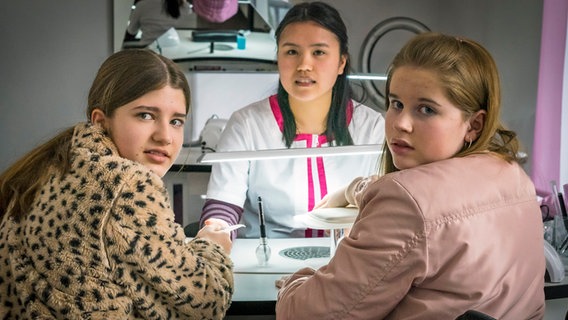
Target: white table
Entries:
(255, 291)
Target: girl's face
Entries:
(148, 130)
(309, 61)
(422, 125)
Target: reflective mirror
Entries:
(377, 29)
(251, 15)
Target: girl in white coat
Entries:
(312, 109)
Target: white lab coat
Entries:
(287, 186)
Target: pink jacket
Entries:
(430, 243)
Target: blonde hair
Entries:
(123, 77)
(471, 81)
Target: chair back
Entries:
(474, 315)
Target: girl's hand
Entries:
(333, 200)
(355, 190)
(216, 222)
(213, 231)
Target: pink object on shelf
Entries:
(215, 10)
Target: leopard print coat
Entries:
(100, 243)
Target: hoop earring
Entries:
(468, 144)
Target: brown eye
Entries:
(145, 116)
(395, 104)
(177, 123)
(426, 110)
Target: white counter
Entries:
(260, 46)
(256, 283)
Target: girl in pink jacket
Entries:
(453, 223)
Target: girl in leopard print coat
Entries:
(87, 231)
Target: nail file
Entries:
(233, 227)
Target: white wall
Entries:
(49, 55)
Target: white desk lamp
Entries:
(211, 157)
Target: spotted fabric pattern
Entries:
(101, 243)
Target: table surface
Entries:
(256, 283)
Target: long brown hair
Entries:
(123, 77)
(471, 81)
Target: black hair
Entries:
(330, 19)
(172, 7)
